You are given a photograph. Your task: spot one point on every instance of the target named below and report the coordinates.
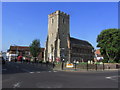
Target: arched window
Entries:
(63, 21)
(52, 20)
(51, 48)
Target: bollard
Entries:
(87, 66)
(75, 66)
(96, 67)
(53, 64)
(103, 66)
(62, 65)
(117, 66)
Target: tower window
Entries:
(52, 21)
(63, 21)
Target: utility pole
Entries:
(62, 57)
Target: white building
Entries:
(3, 54)
(98, 55)
(10, 56)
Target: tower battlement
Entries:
(58, 12)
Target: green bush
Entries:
(118, 61)
(83, 63)
(112, 61)
(97, 62)
(105, 61)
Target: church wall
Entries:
(57, 41)
(64, 34)
(81, 53)
(58, 31)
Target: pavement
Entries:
(92, 70)
(25, 75)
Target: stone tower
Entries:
(57, 38)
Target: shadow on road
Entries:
(18, 67)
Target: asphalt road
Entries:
(22, 75)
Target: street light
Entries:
(62, 64)
(74, 63)
(62, 53)
(62, 58)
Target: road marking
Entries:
(108, 77)
(16, 85)
(38, 72)
(113, 78)
(31, 72)
(54, 71)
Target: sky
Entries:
(22, 22)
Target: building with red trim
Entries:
(24, 51)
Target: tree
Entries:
(35, 48)
(109, 43)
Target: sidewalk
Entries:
(85, 70)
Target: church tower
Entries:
(57, 38)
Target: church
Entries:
(60, 46)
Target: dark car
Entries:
(3, 60)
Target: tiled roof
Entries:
(25, 48)
(97, 51)
(80, 42)
(19, 48)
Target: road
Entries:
(23, 75)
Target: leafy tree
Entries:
(109, 43)
(35, 48)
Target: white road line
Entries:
(16, 85)
(108, 77)
(38, 72)
(49, 71)
(112, 77)
(31, 72)
(54, 71)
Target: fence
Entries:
(86, 66)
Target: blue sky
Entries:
(23, 22)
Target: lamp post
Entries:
(75, 64)
(87, 66)
(62, 64)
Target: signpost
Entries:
(69, 65)
(62, 64)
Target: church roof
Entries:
(24, 48)
(19, 48)
(80, 42)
